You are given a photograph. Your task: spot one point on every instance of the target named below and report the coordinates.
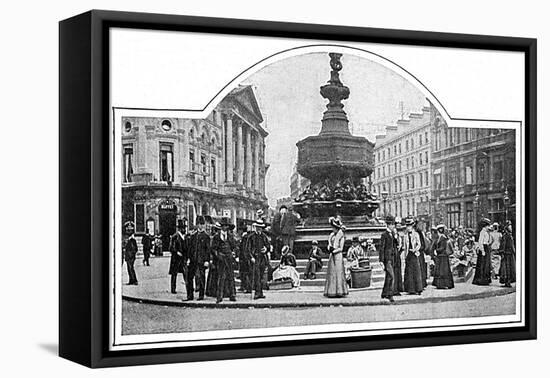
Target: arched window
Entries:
(166, 125)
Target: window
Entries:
(412, 181)
(191, 160)
(128, 165)
(166, 162)
(420, 179)
(166, 125)
(412, 162)
(127, 127)
(469, 220)
(399, 147)
(468, 174)
(395, 185)
(204, 166)
(426, 157)
(412, 144)
(400, 166)
(481, 171)
(437, 181)
(408, 184)
(388, 152)
(426, 137)
(498, 169)
(407, 163)
(384, 155)
(384, 171)
(420, 139)
(400, 184)
(213, 170)
(453, 215)
(426, 179)
(140, 217)
(395, 150)
(406, 145)
(395, 167)
(420, 158)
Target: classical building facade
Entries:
(473, 174)
(402, 159)
(174, 168)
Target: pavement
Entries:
(154, 282)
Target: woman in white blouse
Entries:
(335, 284)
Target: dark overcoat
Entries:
(179, 250)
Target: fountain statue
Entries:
(339, 166)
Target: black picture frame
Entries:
(84, 181)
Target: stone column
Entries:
(240, 152)
(257, 163)
(248, 167)
(229, 149)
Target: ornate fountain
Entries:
(337, 164)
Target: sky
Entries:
(288, 95)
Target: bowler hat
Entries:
(409, 221)
(181, 223)
(390, 219)
(200, 219)
(129, 225)
(355, 239)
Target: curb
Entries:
(380, 302)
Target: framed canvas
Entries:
(235, 188)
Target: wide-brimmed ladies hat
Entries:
(259, 223)
(389, 219)
(285, 249)
(216, 225)
(409, 221)
(440, 227)
(485, 221)
(225, 222)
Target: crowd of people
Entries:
(410, 256)
(441, 252)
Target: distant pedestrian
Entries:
(507, 274)
(179, 251)
(147, 243)
(284, 228)
(419, 227)
(482, 275)
(335, 284)
(245, 265)
(130, 249)
(315, 262)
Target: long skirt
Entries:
(335, 284)
(423, 269)
(413, 274)
(443, 275)
(212, 284)
(283, 272)
(482, 275)
(398, 279)
(507, 272)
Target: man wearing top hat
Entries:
(284, 227)
(387, 255)
(130, 249)
(199, 257)
(224, 246)
(179, 246)
(245, 265)
(258, 249)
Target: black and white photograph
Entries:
(280, 189)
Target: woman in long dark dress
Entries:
(443, 275)
(413, 273)
(507, 271)
(424, 247)
(335, 284)
(397, 262)
(482, 274)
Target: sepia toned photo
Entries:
(319, 190)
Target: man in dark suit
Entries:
(258, 250)
(284, 228)
(147, 242)
(223, 249)
(130, 249)
(388, 251)
(179, 246)
(198, 259)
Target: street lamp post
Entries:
(384, 198)
(506, 204)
